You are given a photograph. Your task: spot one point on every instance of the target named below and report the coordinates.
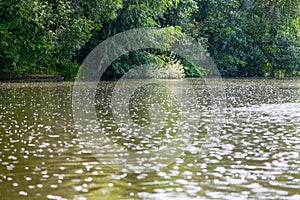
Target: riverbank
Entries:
(32, 78)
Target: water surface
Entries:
(257, 156)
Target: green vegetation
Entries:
(245, 37)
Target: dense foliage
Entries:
(43, 36)
(250, 37)
(245, 37)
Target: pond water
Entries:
(256, 156)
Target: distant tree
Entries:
(42, 36)
(245, 37)
(249, 37)
(133, 14)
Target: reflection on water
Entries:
(42, 156)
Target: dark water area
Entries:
(256, 156)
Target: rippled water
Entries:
(257, 155)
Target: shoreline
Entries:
(33, 78)
(21, 83)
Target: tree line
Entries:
(244, 37)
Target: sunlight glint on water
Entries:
(257, 157)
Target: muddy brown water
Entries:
(256, 157)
